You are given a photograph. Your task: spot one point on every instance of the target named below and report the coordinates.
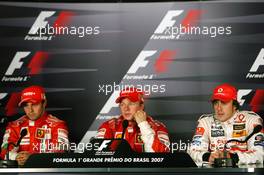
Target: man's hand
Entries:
(140, 116)
(217, 154)
(213, 156)
(22, 157)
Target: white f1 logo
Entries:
(241, 93)
(16, 63)
(167, 21)
(40, 21)
(140, 61)
(258, 62)
(104, 145)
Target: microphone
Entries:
(3, 121)
(23, 133)
(123, 147)
(125, 125)
(228, 162)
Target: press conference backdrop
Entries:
(84, 53)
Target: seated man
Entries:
(143, 133)
(226, 123)
(45, 133)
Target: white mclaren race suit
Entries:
(211, 135)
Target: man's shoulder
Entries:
(153, 122)
(113, 121)
(19, 122)
(248, 115)
(53, 119)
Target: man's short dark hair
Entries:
(236, 104)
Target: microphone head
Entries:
(23, 132)
(125, 123)
(257, 129)
(4, 120)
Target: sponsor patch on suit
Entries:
(138, 139)
(118, 135)
(239, 127)
(43, 133)
(240, 133)
(199, 131)
(217, 133)
(40, 133)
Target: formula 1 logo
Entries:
(254, 72)
(17, 72)
(104, 145)
(161, 64)
(41, 28)
(140, 62)
(254, 98)
(167, 29)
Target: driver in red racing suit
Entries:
(143, 133)
(45, 133)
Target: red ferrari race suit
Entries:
(46, 134)
(211, 135)
(147, 136)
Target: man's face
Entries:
(129, 108)
(34, 111)
(223, 110)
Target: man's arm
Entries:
(10, 136)
(154, 134)
(60, 137)
(255, 144)
(199, 148)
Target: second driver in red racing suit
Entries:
(143, 133)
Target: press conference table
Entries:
(171, 164)
(112, 171)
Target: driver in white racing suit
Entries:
(227, 123)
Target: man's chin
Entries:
(221, 118)
(33, 118)
(129, 118)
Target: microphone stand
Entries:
(12, 163)
(123, 146)
(124, 125)
(9, 163)
(225, 161)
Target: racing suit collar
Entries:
(130, 123)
